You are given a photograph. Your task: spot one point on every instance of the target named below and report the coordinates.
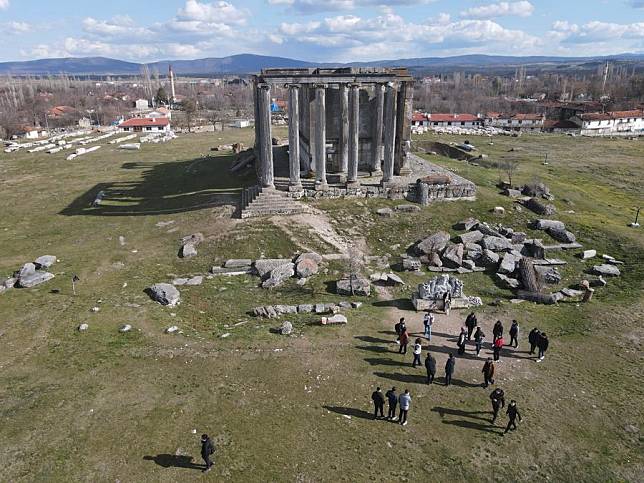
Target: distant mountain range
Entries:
(250, 63)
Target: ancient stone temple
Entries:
(349, 135)
(341, 121)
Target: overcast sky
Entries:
(317, 30)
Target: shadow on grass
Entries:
(353, 412)
(486, 428)
(163, 188)
(408, 378)
(377, 361)
(401, 304)
(375, 340)
(375, 348)
(174, 461)
(458, 412)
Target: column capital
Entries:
(264, 86)
(320, 86)
(293, 86)
(355, 85)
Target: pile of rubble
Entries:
(273, 271)
(276, 311)
(516, 261)
(30, 274)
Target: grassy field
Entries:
(105, 406)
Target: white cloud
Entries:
(349, 37)
(16, 27)
(311, 6)
(4, 4)
(215, 12)
(522, 8)
(120, 26)
(595, 31)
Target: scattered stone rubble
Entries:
(429, 295)
(189, 245)
(501, 250)
(276, 311)
(30, 274)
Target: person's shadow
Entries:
(176, 461)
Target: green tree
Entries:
(162, 96)
(190, 108)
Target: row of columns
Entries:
(386, 98)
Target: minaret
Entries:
(173, 97)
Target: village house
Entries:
(616, 123)
(31, 132)
(418, 119)
(141, 104)
(160, 112)
(146, 124)
(60, 111)
(515, 122)
(455, 120)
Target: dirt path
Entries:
(514, 363)
(318, 223)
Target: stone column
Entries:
(354, 135)
(265, 139)
(403, 129)
(390, 132)
(343, 148)
(295, 184)
(376, 166)
(319, 155)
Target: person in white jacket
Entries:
(404, 401)
(418, 349)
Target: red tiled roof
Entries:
(145, 122)
(607, 116)
(494, 115)
(556, 124)
(453, 118)
(60, 111)
(418, 117)
(528, 117)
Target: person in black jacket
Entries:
(450, 365)
(488, 372)
(533, 338)
(392, 397)
(498, 401)
(378, 403)
(430, 365)
(513, 414)
(514, 334)
(478, 340)
(497, 330)
(542, 343)
(470, 323)
(207, 449)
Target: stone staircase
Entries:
(256, 201)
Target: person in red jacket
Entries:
(498, 345)
(404, 340)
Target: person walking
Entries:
(497, 330)
(488, 372)
(514, 334)
(418, 348)
(404, 340)
(430, 365)
(462, 338)
(470, 323)
(378, 403)
(405, 402)
(498, 402)
(428, 322)
(478, 339)
(399, 327)
(450, 365)
(392, 398)
(542, 344)
(207, 450)
(498, 345)
(513, 414)
(533, 338)
(447, 302)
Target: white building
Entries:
(515, 122)
(141, 104)
(146, 124)
(617, 123)
(454, 120)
